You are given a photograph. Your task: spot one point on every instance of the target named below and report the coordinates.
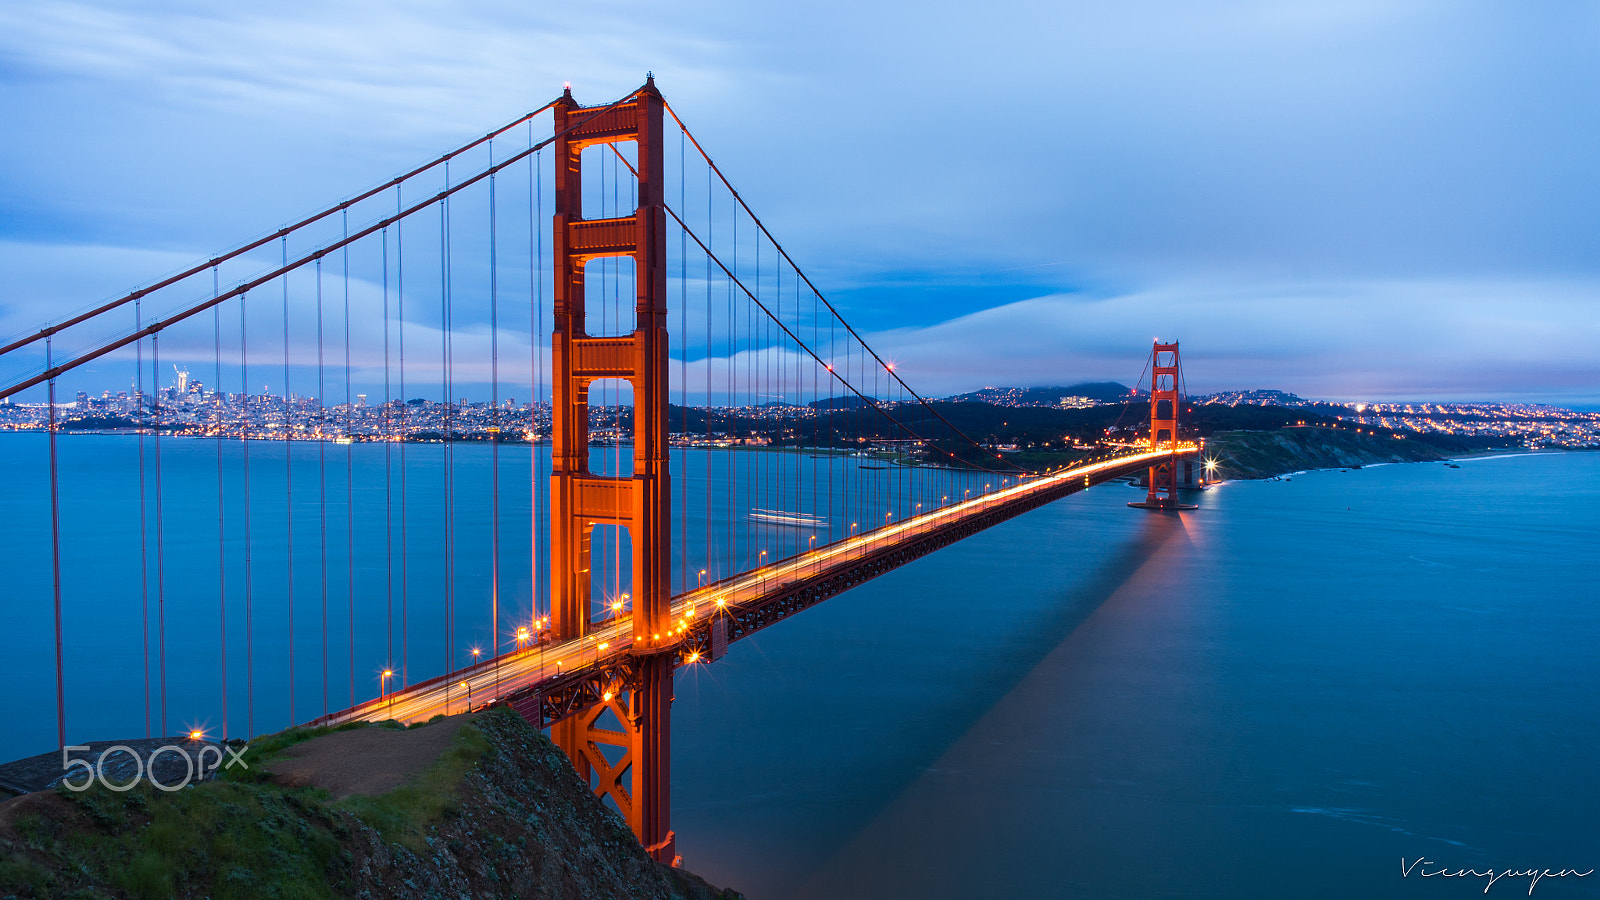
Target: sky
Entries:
(1349, 200)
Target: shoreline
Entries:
(1470, 457)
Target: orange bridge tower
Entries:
(1165, 400)
(632, 718)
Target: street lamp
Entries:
(702, 578)
(383, 689)
(468, 686)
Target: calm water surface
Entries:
(1281, 694)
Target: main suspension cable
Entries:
(341, 207)
(732, 274)
(796, 267)
(239, 289)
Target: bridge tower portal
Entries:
(1165, 400)
(635, 771)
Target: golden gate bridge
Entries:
(651, 560)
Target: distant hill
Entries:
(1256, 397)
(1281, 451)
(850, 402)
(1101, 391)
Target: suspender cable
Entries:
(816, 444)
(405, 431)
(161, 556)
(349, 470)
(494, 434)
(710, 235)
(444, 368)
(683, 378)
(218, 396)
(535, 383)
(616, 388)
(55, 563)
(288, 479)
(322, 486)
(144, 559)
(388, 477)
(249, 582)
(749, 467)
(815, 452)
(761, 492)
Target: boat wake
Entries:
(792, 520)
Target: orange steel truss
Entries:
(639, 780)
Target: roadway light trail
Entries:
(532, 665)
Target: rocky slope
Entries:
(1263, 454)
(499, 813)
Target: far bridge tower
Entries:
(1165, 400)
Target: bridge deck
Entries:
(549, 682)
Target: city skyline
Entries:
(189, 408)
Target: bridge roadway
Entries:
(551, 681)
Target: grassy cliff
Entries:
(495, 811)
(1263, 454)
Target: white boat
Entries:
(793, 520)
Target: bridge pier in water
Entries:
(638, 695)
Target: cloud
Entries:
(1368, 340)
(400, 68)
(1318, 158)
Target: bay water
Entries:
(1295, 690)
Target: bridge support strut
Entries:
(622, 743)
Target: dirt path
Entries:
(365, 761)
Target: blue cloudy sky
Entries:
(1359, 200)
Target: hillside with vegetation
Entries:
(479, 805)
(1264, 454)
